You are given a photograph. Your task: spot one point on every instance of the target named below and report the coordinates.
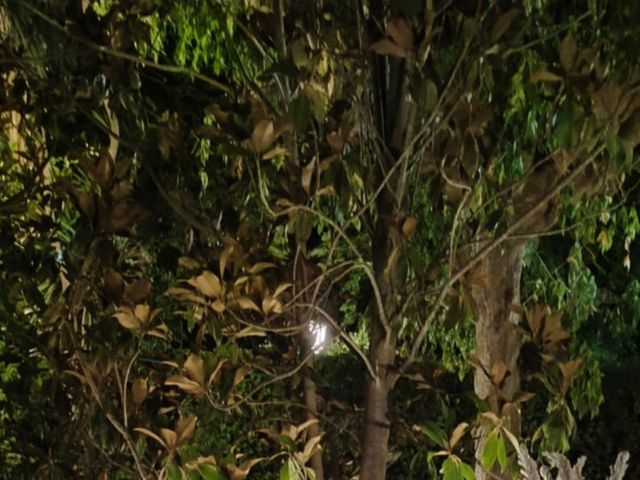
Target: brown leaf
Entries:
(121, 217)
(127, 319)
(260, 267)
(139, 390)
(142, 313)
(567, 52)
(209, 284)
(503, 23)
(240, 472)
(224, 257)
(498, 371)
(250, 332)
(122, 168)
(150, 434)
(85, 202)
(457, 434)
(387, 47)
(185, 428)
(544, 76)
(194, 366)
(186, 384)
(138, 290)
(307, 174)
(218, 306)
(335, 141)
(104, 171)
(263, 136)
(170, 438)
(275, 152)
(241, 372)
(245, 303)
(113, 284)
(400, 31)
(535, 316)
(409, 226)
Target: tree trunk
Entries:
(386, 243)
(375, 440)
(494, 288)
(311, 402)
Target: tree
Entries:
(412, 150)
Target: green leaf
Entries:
(301, 114)
(451, 469)
(174, 472)
(287, 441)
(490, 451)
(209, 472)
(467, 471)
(435, 433)
(289, 471)
(502, 454)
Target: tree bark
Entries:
(494, 288)
(387, 241)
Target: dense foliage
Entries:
(317, 240)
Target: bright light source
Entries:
(319, 336)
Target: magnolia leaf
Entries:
(150, 434)
(185, 428)
(194, 366)
(104, 170)
(303, 426)
(214, 378)
(457, 434)
(503, 23)
(281, 288)
(210, 472)
(275, 152)
(142, 313)
(139, 390)
(160, 331)
(170, 438)
(435, 433)
(400, 31)
(289, 471)
(451, 469)
(492, 417)
(544, 76)
(311, 447)
(467, 471)
(335, 141)
(138, 290)
(490, 450)
(185, 384)
(224, 257)
(242, 471)
(498, 371)
(263, 136)
(250, 332)
(218, 306)
(307, 174)
(245, 303)
(260, 267)
(387, 47)
(127, 319)
(501, 454)
(409, 226)
(567, 52)
(113, 284)
(240, 374)
(328, 190)
(208, 283)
